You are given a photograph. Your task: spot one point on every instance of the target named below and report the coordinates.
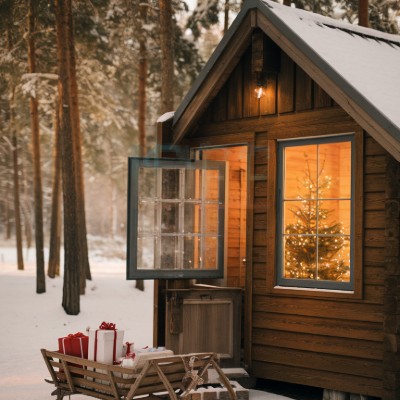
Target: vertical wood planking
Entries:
(235, 93)
(250, 102)
(219, 106)
(321, 98)
(286, 85)
(304, 92)
(391, 360)
(268, 102)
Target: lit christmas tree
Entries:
(311, 230)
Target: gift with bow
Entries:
(74, 344)
(105, 343)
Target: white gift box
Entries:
(105, 346)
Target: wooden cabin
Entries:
(305, 112)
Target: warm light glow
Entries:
(259, 92)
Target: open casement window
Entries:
(175, 219)
(315, 225)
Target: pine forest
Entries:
(82, 84)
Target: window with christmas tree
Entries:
(315, 213)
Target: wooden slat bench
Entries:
(176, 376)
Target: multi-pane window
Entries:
(176, 218)
(315, 208)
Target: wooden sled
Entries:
(174, 376)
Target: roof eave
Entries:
(345, 95)
(244, 16)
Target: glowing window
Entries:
(315, 213)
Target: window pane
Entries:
(210, 218)
(145, 253)
(147, 182)
(300, 217)
(170, 184)
(334, 258)
(192, 184)
(192, 222)
(300, 256)
(169, 218)
(334, 170)
(210, 184)
(334, 217)
(191, 246)
(210, 253)
(168, 252)
(146, 218)
(300, 173)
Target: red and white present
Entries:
(105, 343)
(74, 344)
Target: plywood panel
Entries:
(214, 322)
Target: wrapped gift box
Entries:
(105, 343)
(74, 345)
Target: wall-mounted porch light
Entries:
(261, 84)
(265, 60)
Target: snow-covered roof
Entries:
(358, 67)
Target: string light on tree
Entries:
(313, 235)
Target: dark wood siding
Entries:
(329, 342)
(333, 343)
(288, 91)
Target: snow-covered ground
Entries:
(31, 321)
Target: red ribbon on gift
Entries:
(76, 335)
(107, 326)
(128, 347)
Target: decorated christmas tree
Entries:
(311, 236)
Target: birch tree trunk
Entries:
(37, 178)
(72, 248)
(167, 56)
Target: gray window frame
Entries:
(312, 283)
(132, 271)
